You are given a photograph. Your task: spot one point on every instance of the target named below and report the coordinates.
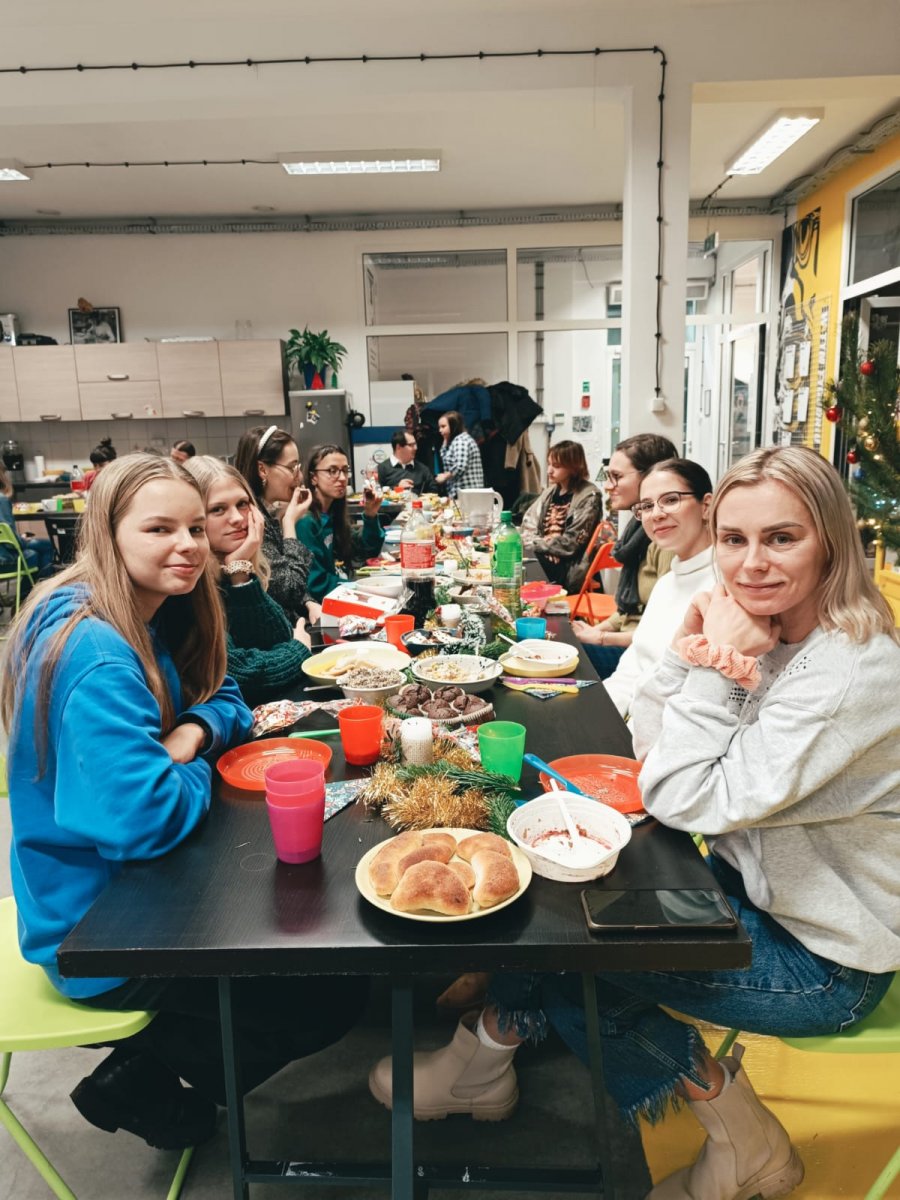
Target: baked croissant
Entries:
(384, 869)
(433, 886)
(470, 846)
(496, 878)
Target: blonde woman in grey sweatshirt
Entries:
(772, 728)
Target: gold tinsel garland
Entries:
(428, 801)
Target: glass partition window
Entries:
(438, 361)
(440, 288)
(875, 245)
(568, 283)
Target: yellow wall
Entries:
(831, 199)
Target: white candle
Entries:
(417, 741)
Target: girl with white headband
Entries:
(268, 458)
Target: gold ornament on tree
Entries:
(870, 442)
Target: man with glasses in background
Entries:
(402, 470)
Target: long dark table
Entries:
(221, 905)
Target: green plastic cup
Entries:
(502, 744)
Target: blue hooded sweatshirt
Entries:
(109, 791)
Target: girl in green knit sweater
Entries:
(265, 655)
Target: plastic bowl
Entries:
(374, 695)
(430, 670)
(542, 816)
(538, 593)
(604, 777)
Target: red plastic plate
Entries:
(245, 766)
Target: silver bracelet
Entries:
(240, 566)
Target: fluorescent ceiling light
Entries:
(779, 134)
(360, 162)
(12, 171)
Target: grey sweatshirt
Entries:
(797, 784)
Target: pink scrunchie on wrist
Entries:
(742, 668)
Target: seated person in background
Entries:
(460, 455)
(269, 460)
(325, 530)
(117, 706)
(674, 510)
(181, 451)
(558, 526)
(265, 655)
(102, 454)
(770, 734)
(642, 562)
(402, 470)
(38, 551)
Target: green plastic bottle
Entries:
(506, 566)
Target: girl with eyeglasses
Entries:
(269, 460)
(325, 530)
(674, 510)
(643, 563)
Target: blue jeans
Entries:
(38, 552)
(604, 658)
(787, 991)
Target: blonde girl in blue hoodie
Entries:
(120, 659)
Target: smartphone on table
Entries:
(656, 908)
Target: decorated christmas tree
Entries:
(864, 403)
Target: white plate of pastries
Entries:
(443, 874)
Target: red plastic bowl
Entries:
(538, 593)
(605, 777)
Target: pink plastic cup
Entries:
(296, 782)
(361, 732)
(297, 829)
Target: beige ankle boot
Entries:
(747, 1153)
(464, 1077)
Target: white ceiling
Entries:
(520, 134)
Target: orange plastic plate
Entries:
(605, 777)
(245, 766)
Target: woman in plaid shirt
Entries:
(460, 456)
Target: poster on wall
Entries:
(802, 336)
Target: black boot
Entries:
(139, 1094)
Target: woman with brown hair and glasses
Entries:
(325, 530)
(268, 458)
(558, 526)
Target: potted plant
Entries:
(313, 355)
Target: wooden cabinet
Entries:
(141, 380)
(118, 381)
(47, 383)
(127, 362)
(190, 382)
(253, 378)
(9, 394)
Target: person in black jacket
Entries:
(403, 470)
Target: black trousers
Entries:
(276, 1020)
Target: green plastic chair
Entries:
(878, 1033)
(22, 569)
(34, 1016)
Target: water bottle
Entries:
(506, 566)
(417, 562)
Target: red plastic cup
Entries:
(296, 782)
(397, 625)
(361, 732)
(297, 828)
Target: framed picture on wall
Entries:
(98, 325)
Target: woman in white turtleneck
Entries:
(675, 497)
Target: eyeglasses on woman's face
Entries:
(669, 502)
(292, 468)
(333, 472)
